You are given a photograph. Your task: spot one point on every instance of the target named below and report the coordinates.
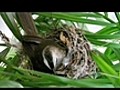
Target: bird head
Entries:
(53, 55)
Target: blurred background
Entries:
(93, 28)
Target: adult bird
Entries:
(45, 54)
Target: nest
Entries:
(80, 62)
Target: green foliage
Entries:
(107, 77)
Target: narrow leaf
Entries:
(107, 30)
(117, 16)
(108, 19)
(107, 60)
(68, 17)
(57, 81)
(106, 14)
(108, 51)
(117, 52)
(9, 20)
(102, 36)
(105, 68)
(9, 84)
(4, 53)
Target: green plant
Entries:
(108, 36)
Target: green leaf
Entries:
(113, 57)
(106, 14)
(113, 45)
(117, 67)
(82, 14)
(108, 19)
(4, 53)
(108, 51)
(69, 17)
(103, 43)
(107, 30)
(13, 62)
(6, 62)
(117, 16)
(107, 60)
(16, 60)
(103, 36)
(106, 68)
(117, 52)
(110, 54)
(9, 20)
(9, 84)
(49, 80)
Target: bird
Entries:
(45, 54)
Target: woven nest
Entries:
(80, 64)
